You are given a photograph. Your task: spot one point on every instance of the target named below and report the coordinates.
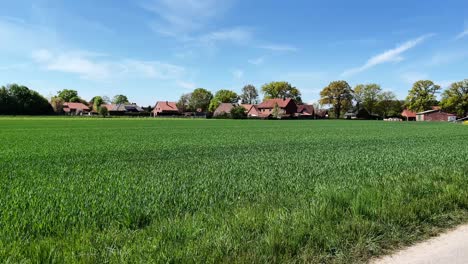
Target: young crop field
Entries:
(146, 190)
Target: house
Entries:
(224, 109)
(305, 111)
(123, 109)
(321, 113)
(409, 115)
(251, 110)
(435, 115)
(287, 106)
(76, 109)
(165, 108)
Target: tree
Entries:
(57, 104)
(339, 95)
(103, 111)
(277, 112)
(200, 99)
(422, 96)
(238, 112)
(120, 99)
(249, 94)
(387, 105)
(455, 98)
(97, 101)
(223, 96)
(281, 90)
(367, 95)
(68, 95)
(183, 103)
(20, 100)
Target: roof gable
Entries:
(270, 103)
(165, 106)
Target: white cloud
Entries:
(392, 55)
(257, 61)
(186, 85)
(91, 66)
(236, 35)
(276, 47)
(179, 17)
(446, 83)
(448, 57)
(462, 34)
(238, 74)
(412, 77)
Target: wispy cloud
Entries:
(186, 85)
(236, 35)
(277, 47)
(462, 34)
(181, 17)
(447, 57)
(257, 61)
(412, 77)
(97, 67)
(392, 55)
(238, 74)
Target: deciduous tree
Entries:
(223, 96)
(455, 98)
(120, 99)
(200, 99)
(68, 95)
(183, 103)
(367, 95)
(281, 90)
(339, 95)
(249, 94)
(422, 96)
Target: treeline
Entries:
(371, 97)
(20, 100)
(338, 96)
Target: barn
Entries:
(435, 115)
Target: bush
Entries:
(103, 111)
(238, 112)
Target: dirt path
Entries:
(450, 248)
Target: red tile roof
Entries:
(77, 106)
(270, 103)
(305, 109)
(165, 106)
(223, 108)
(247, 106)
(408, 113)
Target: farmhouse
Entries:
(76, 109)
(251, 110)
(435, 115)
(224, 109)
(165, 108)
(409, 115)
(123, 109)
(305, 111)
(288, 106)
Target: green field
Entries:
(143, 190)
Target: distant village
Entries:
(281, 101)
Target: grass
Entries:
(117, 190)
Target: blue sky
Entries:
(158, 49)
